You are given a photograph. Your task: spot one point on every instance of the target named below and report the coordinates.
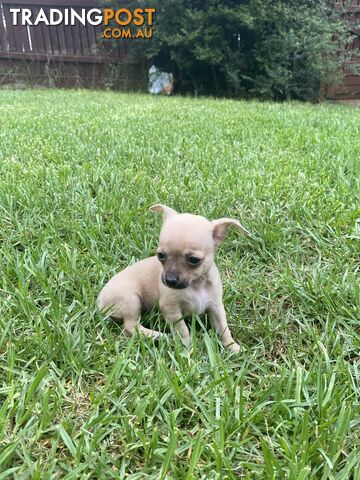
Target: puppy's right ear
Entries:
(166, 211)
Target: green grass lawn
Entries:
(78, 171)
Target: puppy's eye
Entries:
(161, 256)
(193, 260)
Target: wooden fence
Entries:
(350, 87)
(61, 55)
(63, 43)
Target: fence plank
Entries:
(25, 38)
(53, 34)
(76, 39)
(85, 48)
(20, 35)
(92, 39)
(12, 40)
(36, 35)
(350, 91)
(4, 44)
(352, 80)
(47, 39)
(62, 39)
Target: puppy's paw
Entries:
(234, 347)
(159, 336)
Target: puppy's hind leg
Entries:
(131, 324)
(127, 309)
(131, 316)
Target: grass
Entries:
(78, 172)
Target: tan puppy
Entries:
(183, 277)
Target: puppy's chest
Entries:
(195, 301)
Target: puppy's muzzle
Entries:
(171, 280)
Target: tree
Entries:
(296, 46)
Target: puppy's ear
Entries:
(166, 211)
(221, 226)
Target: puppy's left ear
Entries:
(221, 226)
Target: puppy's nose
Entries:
(171, 279)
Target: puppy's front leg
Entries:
(173, 317)
(219, 322)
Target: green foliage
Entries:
(198, 41)
(294, 47)
(280, 49)
(79, 400)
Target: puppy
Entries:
(182, 276)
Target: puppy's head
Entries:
(187, 245)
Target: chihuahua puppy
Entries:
(182, 276)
